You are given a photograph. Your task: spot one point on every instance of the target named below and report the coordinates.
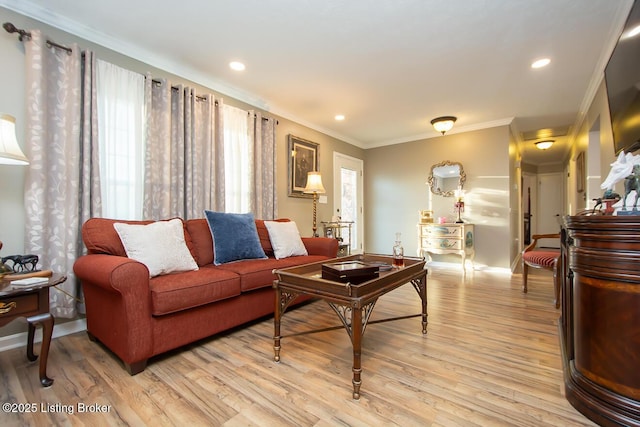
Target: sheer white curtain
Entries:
(121, 124)
(239, 160)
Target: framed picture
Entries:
(303, 158)
(580, 181)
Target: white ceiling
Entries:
(390, 66)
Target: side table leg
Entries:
(30, 336)
(46, 320)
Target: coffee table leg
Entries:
(46, 320)
(356, 331)
(283, 299)
(420, 285)
(276, 325)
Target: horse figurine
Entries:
(632, 182)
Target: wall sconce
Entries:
(443, 124)
(314, 186)
(544, 145)
(10, 152)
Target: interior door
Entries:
(549, 202)
(348, 196)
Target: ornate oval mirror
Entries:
(446, 177)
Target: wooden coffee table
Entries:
(353, 303)
(31, 302)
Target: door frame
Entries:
(338, 159)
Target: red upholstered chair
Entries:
(549, 259)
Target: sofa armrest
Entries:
(118, 303)
(321, 246)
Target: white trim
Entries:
(20, 340)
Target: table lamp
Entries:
(314, 186)
(10, 152)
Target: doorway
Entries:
(348, 196)
(549, 205)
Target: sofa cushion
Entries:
(285, 239)
(159, 245)
(180, 291)
(258, 273)
(100, 237)
(200, 234)
(235, 237)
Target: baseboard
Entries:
(20, 340)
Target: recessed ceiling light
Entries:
(237, 66)
(339, 117)
(541, 63)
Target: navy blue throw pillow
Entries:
(235, 237)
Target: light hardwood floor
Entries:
(490, 358)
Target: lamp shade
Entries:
(10, 152)
(314, 183)
(443, 124)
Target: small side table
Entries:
(31, 302)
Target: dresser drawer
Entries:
(442, 230)
(441, 243)
(18, 305)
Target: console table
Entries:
(450, 238)
(600, 323)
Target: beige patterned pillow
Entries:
(159, 245)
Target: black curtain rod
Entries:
(22, 35)
(200, 98)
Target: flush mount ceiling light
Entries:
(541, 63)
(339, 117)
(443, 124)
(544, 145)
(237, 66)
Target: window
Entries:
(238, 160)
(121, 128)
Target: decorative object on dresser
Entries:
(451, 238)
(426, 217)
(548, 259)
(600, 278)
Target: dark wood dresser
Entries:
(600, 323)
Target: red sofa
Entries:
(138, 317)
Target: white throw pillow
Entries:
(159, 245)
(285, 239)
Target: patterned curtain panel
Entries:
(264, 137)
(184, 154)
(61, 189)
